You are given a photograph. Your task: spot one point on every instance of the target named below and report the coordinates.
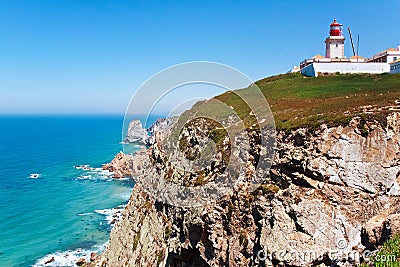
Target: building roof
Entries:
(359, 57)
(384, 53)
(317, 56)
(388, 50)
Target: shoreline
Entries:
(111, 216)
(107, 172)
(71, 257)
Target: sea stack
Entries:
(136, 133)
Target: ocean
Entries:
(63, 212)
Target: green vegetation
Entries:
(167, 232)
(295, 101)
(243, 239)
(231, 210)
(136, 238)
(388, 255)
(160, 257)
(210, 129)
(299, 101)
(267, 189)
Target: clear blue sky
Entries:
(90, 56)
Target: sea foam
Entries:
(112, 215)
(91, 173)
(68, 258)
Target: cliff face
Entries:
(329, 196)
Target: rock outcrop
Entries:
(136, 133)
(81, 262)
(119, 166)
(126, 165)
(329, 196)
(158, 129)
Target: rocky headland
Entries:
(330, 197)
(333, 192)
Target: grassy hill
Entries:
(298, 101)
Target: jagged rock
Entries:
(119, 166)
(380, 228)
(159, 128)
(93, 256)
(334, 190)
(50, 260)
(136, 133)
(80, 262)
(369, 163)
(127, 165)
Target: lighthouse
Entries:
(335, 61)
(335, 41)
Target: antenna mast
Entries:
(351, 39)
(358, 44)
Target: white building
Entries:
(343, 68)
(388, 56)
(395, 66)
(335, 61)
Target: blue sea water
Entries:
(56, 212)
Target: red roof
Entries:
(335, 23)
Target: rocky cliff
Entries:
(330, 197)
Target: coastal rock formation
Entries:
(136, 133)
(369, 163)
(158, 129)
(93, 256)
(118, 166)
(330, 195)
(80, 262)
(126, 165)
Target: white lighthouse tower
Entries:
(335, 41)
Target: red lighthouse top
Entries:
(335, 29)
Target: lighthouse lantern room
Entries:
(335, 41)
